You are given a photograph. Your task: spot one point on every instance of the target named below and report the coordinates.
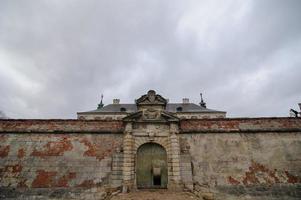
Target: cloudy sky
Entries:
(57, 57)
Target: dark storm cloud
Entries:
(57, 57)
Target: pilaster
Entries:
(175, 155)
(128, 159)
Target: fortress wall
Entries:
(56, 159)
(72, 159)
(246, 158)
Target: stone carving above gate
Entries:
(151, 114)
(151, 98)
(151, 108)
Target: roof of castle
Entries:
(170, 107)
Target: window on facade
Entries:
(179, 109)
(122, 109)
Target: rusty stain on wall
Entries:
(99, 150)
(292, 179)
(54, 148)
(21, 153)
(4, 151)
(44, 179)
(260, 174)
(64, 180)
(233, 181)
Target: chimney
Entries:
(116, 101)
(185, 100)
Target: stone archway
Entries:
(151, 167)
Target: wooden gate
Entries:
(151, 169)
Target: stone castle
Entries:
(151, 144)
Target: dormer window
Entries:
(122, 109)
(179, 109)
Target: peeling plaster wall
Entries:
(230, 158)
(56, 160)
(237, 161)
(256, 158)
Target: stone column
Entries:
(175, 156)
(128, 159)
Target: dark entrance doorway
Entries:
(151, 169)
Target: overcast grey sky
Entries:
(57, 57)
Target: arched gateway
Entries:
(151, 168)
(151, 147)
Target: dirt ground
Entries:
(155, 195)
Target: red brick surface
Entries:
(188, 125)
(241, 125)
(57, 125)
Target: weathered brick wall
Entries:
(65, 159)
(246, 158)
(60, 126)
(73, 159)
(241, 125)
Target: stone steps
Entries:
(155, 195)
